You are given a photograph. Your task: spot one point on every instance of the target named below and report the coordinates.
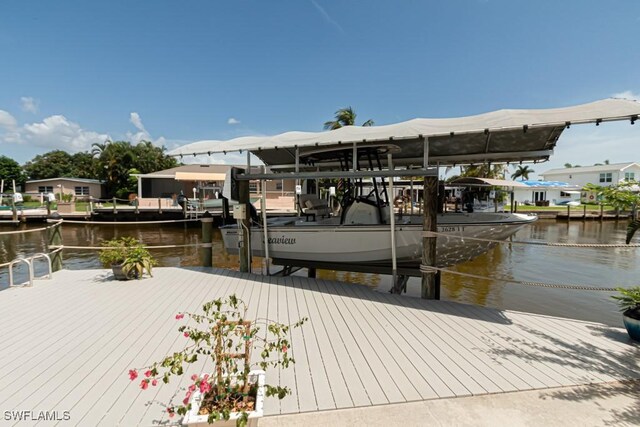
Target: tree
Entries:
(344, 117)
(84, 165)
(10, 170)
(484, 170)
(522, 172)
(54, 164)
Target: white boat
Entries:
(293, 239)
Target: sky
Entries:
(74, 73)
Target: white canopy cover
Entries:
(498, 136)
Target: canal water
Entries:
(599, 267)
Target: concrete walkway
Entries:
(611, 404)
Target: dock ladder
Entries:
(30, 261)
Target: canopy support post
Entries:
(263, 208)
(392, 218)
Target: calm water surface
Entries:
(585, 266)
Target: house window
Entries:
(82, 191)
(564, 194)
(605, 177)
(629, 176)
(253, 187)
(45, 189)
(279, 185)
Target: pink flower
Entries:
(192, 388)
(144, 384)
(133, 374)
(204, 387)
(147, 374)
(284, 348)
(186, 334)
(179, 316)
(194, 377)
(154, 382)
(171, 413)
(185, 401)
(206, 377)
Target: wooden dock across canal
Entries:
(69, 342)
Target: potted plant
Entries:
(233, 391)
(629, 302)
(127, 257)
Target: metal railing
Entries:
(30, 261)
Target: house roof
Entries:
(498, 136)
(81, 180)
(585, 169)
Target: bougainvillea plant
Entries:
(223, 335)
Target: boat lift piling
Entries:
(430, 285)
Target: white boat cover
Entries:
(487, 182)
(499, 136)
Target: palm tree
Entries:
(522, 172)
(344, 117)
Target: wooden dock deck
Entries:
(69, 342)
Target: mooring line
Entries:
(429, 269)
(33, 230)
(520, 242)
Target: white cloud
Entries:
(7, 121)
(627, 94)
(142, 134)
(233, 121)
(29, 104)
(59, 132)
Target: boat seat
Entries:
(311, 206)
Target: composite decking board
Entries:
(127, 395)
(383, 358)
(451, 361)
(323, 393)
(375, 390)
(426, 380)
(563, 364)
(48, 368)
(538, 375)
(119, 326)
(600, 359)
(506, 368)
(303, 380)
(547, 375)
(116, 360)
(22, 314)
(475, 349)
(333, 366)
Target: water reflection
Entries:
(602, 267)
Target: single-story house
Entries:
(552, 193)
(604, 175)
(79, 188)
(205, 179)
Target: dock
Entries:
(70, 341)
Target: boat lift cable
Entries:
(519, 242)
(428, 269)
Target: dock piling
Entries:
(206, 252)
(55, 239)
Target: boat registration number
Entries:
(450, 229)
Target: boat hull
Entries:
(371, 244)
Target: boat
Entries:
(294, 240)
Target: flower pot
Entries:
(193, 419)
(119, 273)
(632, 325)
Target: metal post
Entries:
(263, 204)
(394, 266)
(245, 252)
(207, 236)
(55, 241)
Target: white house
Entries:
(604, 175)
(552, 193)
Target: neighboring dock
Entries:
(69, 342)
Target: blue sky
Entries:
(75, 72)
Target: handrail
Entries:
(29, 261)
(15, 261)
